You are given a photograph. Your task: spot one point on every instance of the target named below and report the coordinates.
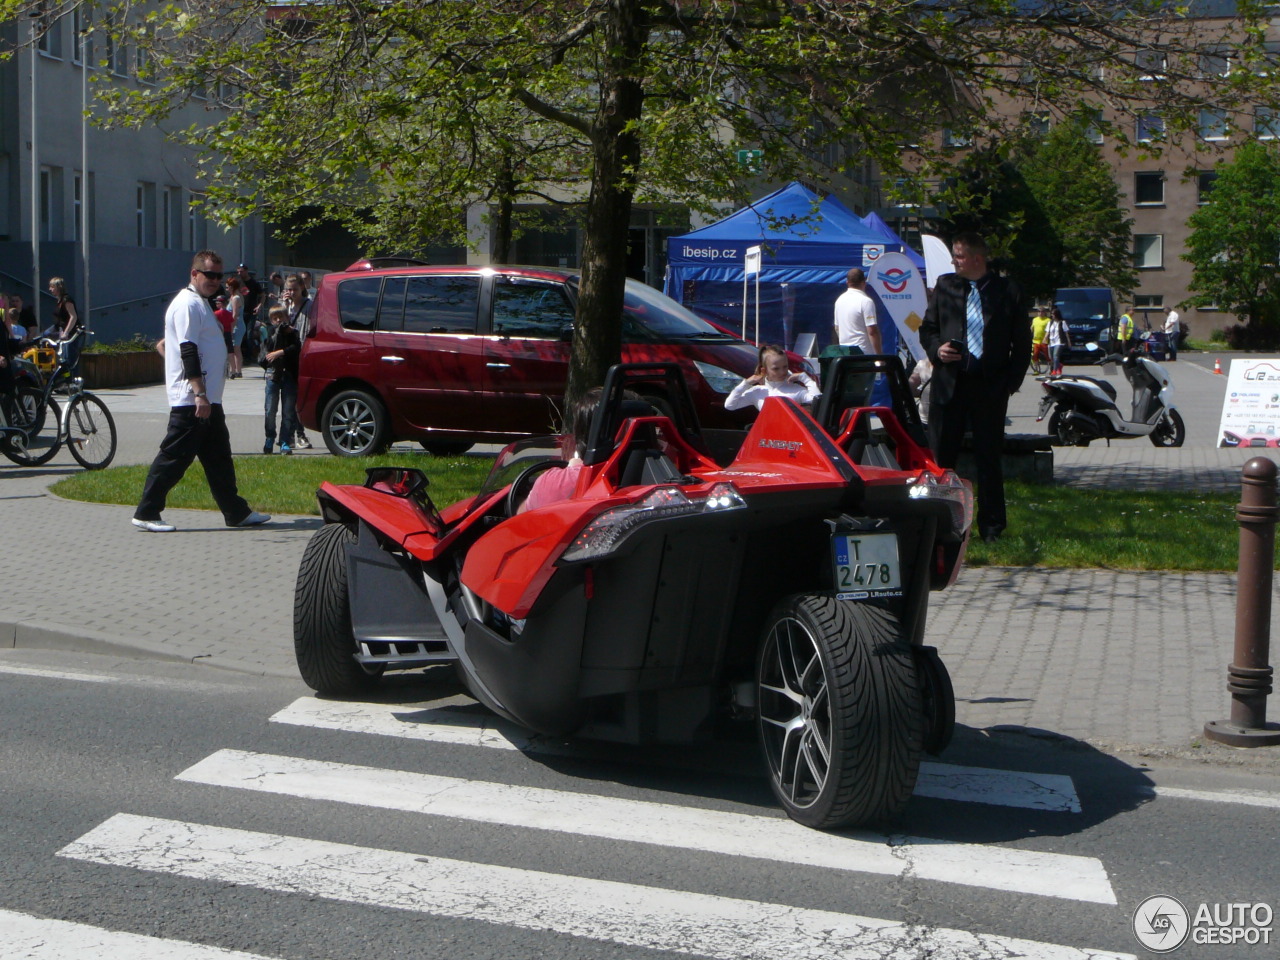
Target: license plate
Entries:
(866, 565)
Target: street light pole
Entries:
(35, 178)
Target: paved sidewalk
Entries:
(1131, 661)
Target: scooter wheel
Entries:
(1169, 432)
(1062, 433)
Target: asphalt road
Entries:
(192, 807)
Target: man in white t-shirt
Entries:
(195, 357)
(1172, 331)
(856, 315)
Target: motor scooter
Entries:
(1085, 408)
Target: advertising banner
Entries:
(1251, 408)
(900, 288)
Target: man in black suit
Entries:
(977, 335)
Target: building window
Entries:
(1151, 64)
(1266, 123)
(1148, 188)
(1150, 127)
(117, 54)
(142, 68)
(145, 212)
(1205, 180)
(1038, 123)
(1215, 62)
(172, 218)
(197, 226)
(82, 28)
(1213, 125)
(1148, 251)
(46, 203)
(954, 139)
(49, 42)
(1154, 300)
(1093, 132)
(77, 205)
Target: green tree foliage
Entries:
(391, 115)
(1086, 240)
(1235, 239)
(1050, 208)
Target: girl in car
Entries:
(773, 378)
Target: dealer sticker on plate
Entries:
(866, 565)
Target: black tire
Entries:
(840, 712)
(1062, 434)
(323, 642)
(33, 449)
(938, 699)
(91, 433)
(355, 424)
(446, 448)
(1037, 363)
(1170, 431)
(31, 414)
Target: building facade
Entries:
(113, 212)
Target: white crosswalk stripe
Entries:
(1033, 791)
(24, 937)
(628, 914)
(731, 834)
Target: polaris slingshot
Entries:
(789, 586)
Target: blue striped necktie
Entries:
(973, 314)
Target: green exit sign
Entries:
(750, 159)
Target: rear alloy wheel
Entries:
(1170, 431)
(841, 712)
(323, 641)
(354, 424)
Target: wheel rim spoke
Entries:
(793, 708)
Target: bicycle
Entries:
(85, 425)
(1039, 356)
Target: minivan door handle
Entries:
(498, 366)
(393, 359)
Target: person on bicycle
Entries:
(1039, 329)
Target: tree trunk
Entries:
(597, 334)
(505, 188)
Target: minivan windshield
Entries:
(650, 315)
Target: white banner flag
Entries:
(900, 287)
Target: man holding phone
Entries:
(976, 333)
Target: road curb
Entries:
(39, 635)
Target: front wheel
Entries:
(1170, 431)
(840, 711)
(32, 448)
(355, 424)
(323, 641)
(91, 433)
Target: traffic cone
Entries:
(1217, 366)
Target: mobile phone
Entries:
(956, 345)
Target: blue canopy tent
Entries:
(805, 256)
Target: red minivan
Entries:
(455, 355)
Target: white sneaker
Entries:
(252, 520)
(154, 526)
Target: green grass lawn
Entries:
(279, 484)
(1049, 526)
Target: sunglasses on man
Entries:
(211, 274)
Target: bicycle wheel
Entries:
(91, 433)
(1037, 364)
(32, 449)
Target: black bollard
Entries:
(1249, 675)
